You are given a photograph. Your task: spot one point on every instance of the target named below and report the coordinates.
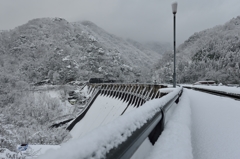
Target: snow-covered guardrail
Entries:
(152, 129)
(215, 91)
(121, 137)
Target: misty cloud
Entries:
(142, 20)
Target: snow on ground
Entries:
(228, 89)
(84, 91)
(103, 110)
(210, 122)
(215, 126)
(175, 140)
(4, 153)
(97, 143)
(32, 151)
(166, 90)
(55, 94)
(42, 149)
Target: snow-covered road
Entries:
(215, 126)
(234, 90)
(203, 126)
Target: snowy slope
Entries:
(104, 110)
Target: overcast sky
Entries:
(141, 20)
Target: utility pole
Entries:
(174, 11)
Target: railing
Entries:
(215, 92)
(122, 137)
(126, 149)
(132, 95)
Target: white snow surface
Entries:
(66, 107)
(98, 142)
(202, 126)
(215, 126)
(175, 140)
(42, 149)
(33, 151)
(166, 90)
(5, 153)
(104, 110)
(235, 90)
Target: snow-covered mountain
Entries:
(62, 51)
(210, 54)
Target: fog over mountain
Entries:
(158, 47)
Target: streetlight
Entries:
(174, 11)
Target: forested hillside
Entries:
(59, 51)
(210, 54)
(63, 51)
